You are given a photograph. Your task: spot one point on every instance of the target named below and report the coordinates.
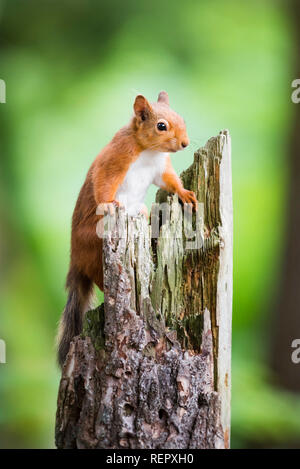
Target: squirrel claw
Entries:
(189, 197)
(109, 208)
(144, 211)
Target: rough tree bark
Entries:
(152, 367)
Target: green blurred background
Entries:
(72, 70)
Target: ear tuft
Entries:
(163, 97)
(141, 107)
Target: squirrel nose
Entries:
(184, 144)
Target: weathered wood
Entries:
(152, 367)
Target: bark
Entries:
(152, 367)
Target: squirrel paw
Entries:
(189, 197)
(109, 208)
(144, 211)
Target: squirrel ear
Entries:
(141, 107)
(163, 97)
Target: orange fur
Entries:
(109, 169)
(103, 179)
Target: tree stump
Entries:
(152, 366)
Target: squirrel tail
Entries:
(80, 289)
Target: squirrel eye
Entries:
(161, 126)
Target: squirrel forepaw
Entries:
(189, 197)
(144, 211)
(109, 208)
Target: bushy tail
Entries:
(80, 290)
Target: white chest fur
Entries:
(146, 170)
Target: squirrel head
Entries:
(157, 126)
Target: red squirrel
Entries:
(137, 156)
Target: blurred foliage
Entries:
(72, 70)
